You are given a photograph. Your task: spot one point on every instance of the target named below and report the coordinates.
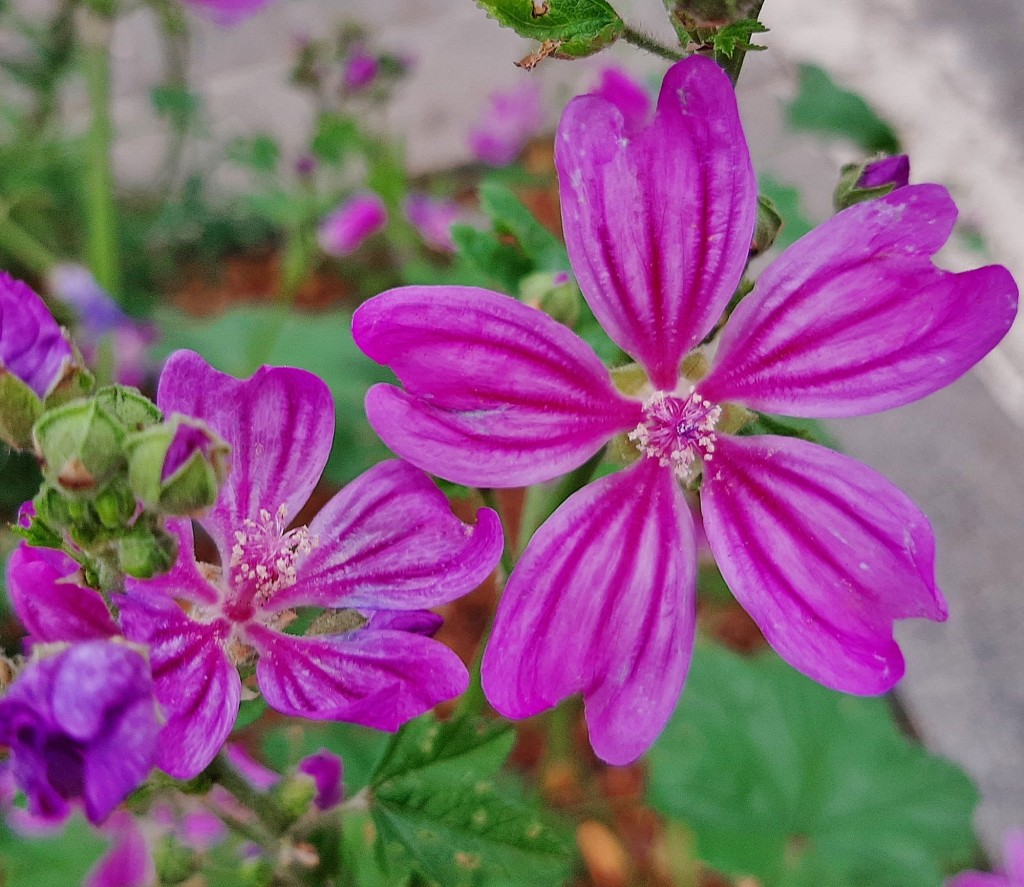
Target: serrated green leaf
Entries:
(824, 107)
(736, 37)
(438, 799)
(579, 27)
(794, 784)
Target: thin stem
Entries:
(24, 247)
(649, 44)
(264, 808)
(101, 213)
(732, 65)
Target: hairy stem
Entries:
(649, 44)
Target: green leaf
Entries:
(813, 430)
(504, 264)
(795, 223)
(509, 215)
(42, 861)
(796, 785)
(822, 106)
(177, 104)
(437, 799)
(236, 342)
(578, 27)
(259, 152)
(736, 36)
(335, 137)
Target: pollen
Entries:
(265, 557)
(677, 431)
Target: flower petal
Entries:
(855, 318)
(379, 679)
(195, 681)
(279, 423)
(389, 540)
(497, 393)
(127, 863)
(49, 604)
(32, 346)
(824, 553)
(658, 221)
(184, 580)
(602, 602)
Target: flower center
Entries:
(677, 430)
(264, 558)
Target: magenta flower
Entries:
(893, 171)
(823, 552)
(511, 120)
(326, 771)
(81, 725)
(629, 96)
(1013, 867)
(345, 229)
(433, 219)
(128, 862)
(360, 69)
(227, 12)
(384, 548)
(32, 346)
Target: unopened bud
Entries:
(178, 466)
(769, 224)
(556, 294)
(79, 446)
(131, 408)
(147, 551)
(295, 794)
(174, 862)
(115, 506)
(20, 407)
(256, 873)
(75, 383)
(870, 179)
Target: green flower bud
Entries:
(75, 384)
(295, 794)
(115, 506)
(769, 224)
(146, 551)
(131, 408)
(256, 873)
(870, 179)
(555, 293)
(174, 862)
(79, 446)
(20, 407)
(178, 466)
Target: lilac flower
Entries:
(81, 725)
(630, 97)
(823, 552)
(433, 219)
(345, 229)
(360, 70)
(101, 318)
(1013, 867)
(512, 119)
(227, 12)
(386, 543)
(893, 171)
(32, 346)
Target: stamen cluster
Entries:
(676, 430)
(266, 556)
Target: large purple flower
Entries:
(81, 725)
(384, 549)
(823, 552)
(32, 346)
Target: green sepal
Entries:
(79, 445)
(129, 406)
(20, 409)
(146, 551)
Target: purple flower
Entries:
(1013, 867)
(101, 319)
(630, 97)
(345, 229)
(227, 12)
(128, 862)
(360, 70)
(326, 771)
(893, 171)
(81, 725)
(433, 219)
(823, 552)
(32, 346)
(512, 119)
(388, 542)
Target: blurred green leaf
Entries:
(438, 796)
(46, 860)
(823, 107)
(177, 104)
(579, 27)
(509, 215)
(789, 782)
(335, 137)
(502, 264)
(320, 343)
(795, 223)
(259, 152)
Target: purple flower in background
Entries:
(360, 70)
(893, 171)
(326, 771)
(511, 120)
(81, 725)
(32, 346)
(227, 12)
(823, 552)
(1013, 867)
(101, 319)
(345, 229)
(433, 219)
(128, 862)
(627, 94)
(384, 549)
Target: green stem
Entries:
(24, 247)
(273, 820)
(732, 65)
(101, 213)
(649, 44)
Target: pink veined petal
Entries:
(601, 603)
(389, 540)
(49, 604)
(194, 680)
(658, 221)
(854, 317)
(184, 580)
(128, 862)
(279, 423)
(824, 553)
(497, 393)
(379, 679)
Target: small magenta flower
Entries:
(823, 552)
(513, 117)
(381, 551)
(326, 771)
(893, 171)
(433, 219)
(33, 347)
(344, 230)
(360, 70)
(227, 12)
(81, 725)
(1012, 874)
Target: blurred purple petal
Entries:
(345, 229)
(433, 219)
(128, 862)
(627, 94)
(326, 770)
(360, 69)
(259, 777)
(32, 346)
(512, 118)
